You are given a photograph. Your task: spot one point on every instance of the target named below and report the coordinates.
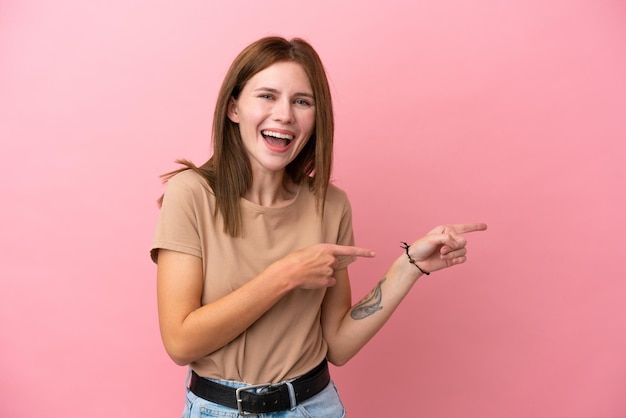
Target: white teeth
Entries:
(277, 135)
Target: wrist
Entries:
(411, 260)
(281, 277)
(403, 269)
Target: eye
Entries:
(303, 102)
(266, 96)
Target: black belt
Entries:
(275, 398)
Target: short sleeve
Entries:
(177, 225)
(345, 234)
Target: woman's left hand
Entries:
(443, 246)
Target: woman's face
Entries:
(275, 112)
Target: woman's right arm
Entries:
(191, 331)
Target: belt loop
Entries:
(292, 395)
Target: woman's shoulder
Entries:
(336, 199)
(190, 180)
(335, 193)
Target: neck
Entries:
(272, 190)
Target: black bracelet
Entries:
(411, 259)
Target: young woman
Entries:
(252, 249)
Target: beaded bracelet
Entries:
(411, 259)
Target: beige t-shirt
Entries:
(287, 340)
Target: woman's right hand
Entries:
(314, 267)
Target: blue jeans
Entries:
(325, 404)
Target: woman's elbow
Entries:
(179, 353)
(337, 359)
(338, 362)
(179, 361)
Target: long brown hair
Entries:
(228, 171)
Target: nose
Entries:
(283, 111)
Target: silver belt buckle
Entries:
(240, 401)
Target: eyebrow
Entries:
(273, 90)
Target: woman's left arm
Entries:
(348, 328)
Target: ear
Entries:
(231, 111)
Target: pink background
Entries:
(512, 113)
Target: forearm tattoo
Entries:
(370, 303)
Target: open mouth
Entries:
(276, 138)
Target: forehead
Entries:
(281, 76)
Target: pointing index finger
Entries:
(464, 228)
(351, 250)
